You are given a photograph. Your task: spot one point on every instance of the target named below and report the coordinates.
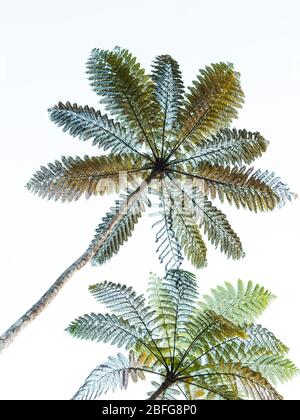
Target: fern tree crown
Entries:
(195, 349)
(153, 128)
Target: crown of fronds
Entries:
(159, 131)
(198, 349)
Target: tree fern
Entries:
(197, 351)
(155, 131)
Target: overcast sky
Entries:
(44, 47)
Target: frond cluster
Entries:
(210, 349)
(155, 129)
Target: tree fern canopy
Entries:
(154, 130)
(207, 349)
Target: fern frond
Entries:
(190, 238)
(107, 377)
(248, 381)
(261, 337)
(106, 328)
(228, 147)
(205, 330)
(169, 247)
(211, 104)
(244, 187)
(86, 123)
(123, 301)
(183, 293)
(126, 91)
(163, 319)
(272, 365)
(242, 304)
(219, 231)
(120, 232)
(72, 177)
(169, 91)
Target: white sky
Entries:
(44, 47)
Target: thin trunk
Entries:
(10, 334)
(164, 386)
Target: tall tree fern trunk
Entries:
(161, 390)
(9, 335)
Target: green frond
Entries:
(211, 104)
(244, 187)
(219, 231)
(107, 329)
(69, 179)
(86, 123)
(123, 301)
(274, 367)
(242, 304)
(260, 337)
(248, 382)
(229, 147)
(205, 330)
(169, 90)
(126, 91)
(164, 317)
(271, 364)
(169, 248)
(114, 373)
(118, 233)
(190, 238)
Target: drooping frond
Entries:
(185, 227)
(219, 231)
(169, 91)
(72, 177)
(169, 248)
(244, 187)
(248, 381)
(210, 105)
(190, 237)
(123, 301)
(118, 233)
(116, 372)
(107, 329)
(126, 91)
(242, 304)
(229, 147)
(86, 123)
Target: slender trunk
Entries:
(164, 386)
(9, 335)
